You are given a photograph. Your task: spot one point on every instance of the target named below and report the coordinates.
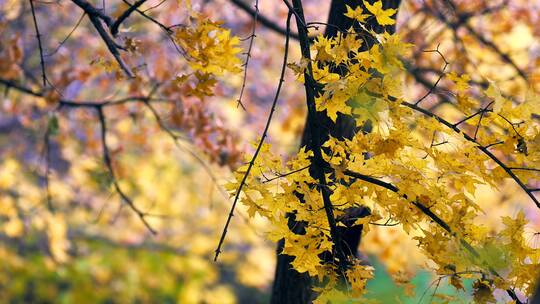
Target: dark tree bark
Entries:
(536, 297)
(289, 285)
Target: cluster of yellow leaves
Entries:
(209, 47)
(356, 92)
(466, 103)
(383, 16)
(357, 277)
(430, 163)
(521, 257)
(211, 51)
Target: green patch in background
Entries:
(382, 289)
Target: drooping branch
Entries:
(108, 163)
(63, 102)
(479, 146)
(435, 218)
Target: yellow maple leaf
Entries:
(358, 277)
(462, 81)
(366, 107)
(210, 48)
(383, 15)
(499, 102)
(323, 47)
(357, 13)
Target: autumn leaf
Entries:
(367, 107)
(357, 14)
(383, 16)
(499, 102)
(461, 81)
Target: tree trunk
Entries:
(535, 299)
(289, 285)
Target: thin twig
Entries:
(525, 169)
(259, 146)
(282, 175)
(68, 35)
(154, 6)
(446, 63)
(265, 21)
(167, 29)
(38, 37)
(248, 55)
(108, 164)
(494, 144)
(471, 116)
(483, 111)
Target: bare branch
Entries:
(114, 27)
(248, 54)
(446, 63)
(38, 37)
(259, 146)
(96, 17)
(282, 175)
(108, 164)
